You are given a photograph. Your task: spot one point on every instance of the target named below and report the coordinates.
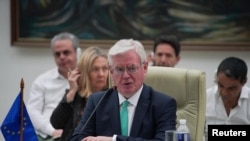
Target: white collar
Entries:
(132, 100)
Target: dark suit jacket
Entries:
(154, 113)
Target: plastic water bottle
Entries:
(182, 132)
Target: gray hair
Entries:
(125, 45)
(63, 36)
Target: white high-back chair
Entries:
(187, 86)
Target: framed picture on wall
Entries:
(199, 24)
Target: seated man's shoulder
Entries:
(211, 90)
(247, 87)
(47, 74)
(162, 96)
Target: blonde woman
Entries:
(90, 75)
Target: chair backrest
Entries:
(187, 86)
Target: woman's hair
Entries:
(84, 65)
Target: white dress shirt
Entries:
(131, 106)
(216, 113)
(46, 92)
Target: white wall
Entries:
(27, 63)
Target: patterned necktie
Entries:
(124, 118)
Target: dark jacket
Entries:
(67, 115)
(154, 114)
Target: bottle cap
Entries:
(182, 121)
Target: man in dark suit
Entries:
(148, 112)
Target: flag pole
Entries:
(21, 110)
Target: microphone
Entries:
(97, 105)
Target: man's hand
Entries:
(57, 133)
(98, 138)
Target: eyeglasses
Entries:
(65, 53)
(130, 69)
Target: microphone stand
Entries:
(92, 113)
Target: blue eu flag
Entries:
(12, 123)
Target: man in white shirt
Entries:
(48, 88)
(228, 102)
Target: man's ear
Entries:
(244, 82)
(110, 70)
